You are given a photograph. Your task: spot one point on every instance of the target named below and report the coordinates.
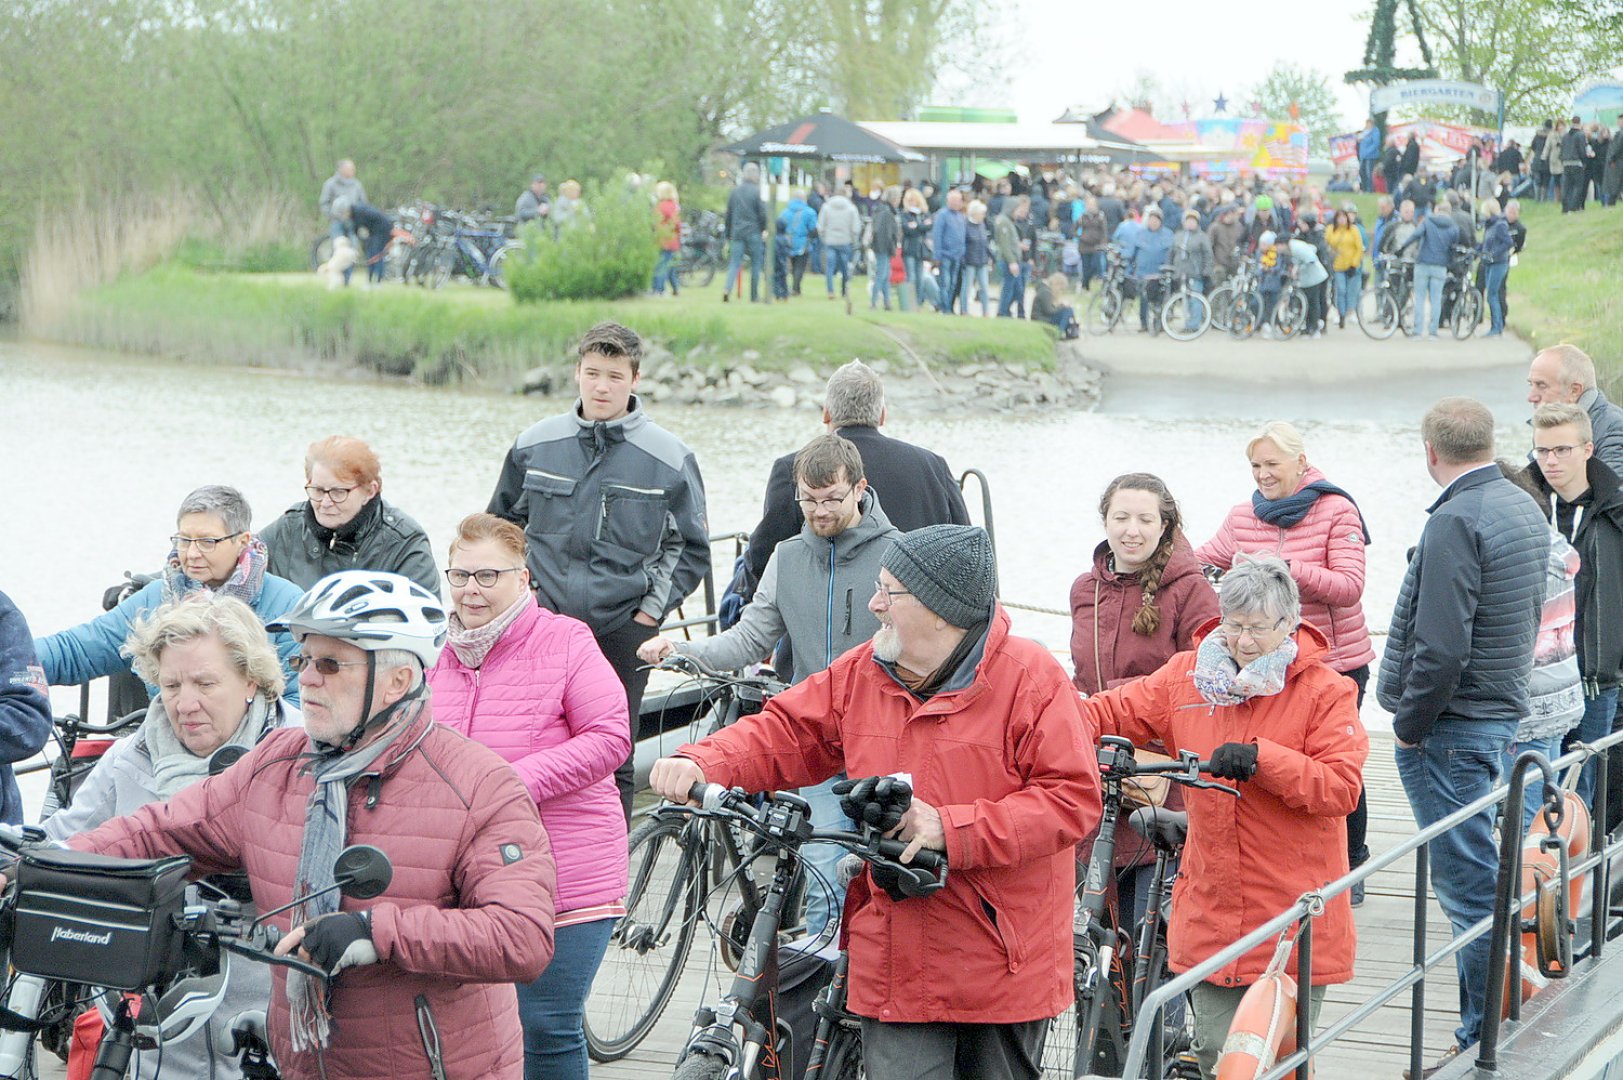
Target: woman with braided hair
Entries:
(1316, 528)
(1141, 602)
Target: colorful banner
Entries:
(1247, 146)
(1440, 144)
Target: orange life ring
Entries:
(1541, 866)
(1263, 1031)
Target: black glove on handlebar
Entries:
(338, 941)
(1235, 761)
(879, 801)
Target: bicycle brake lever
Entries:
(1214, 786)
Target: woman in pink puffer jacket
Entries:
(1301, 517)
(535, 688)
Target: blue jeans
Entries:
(1349, 284)
(981, 276)
(1065, 319)
(1093, 266)
(1494, 286)
(838, 262)
(824, 896)
(1533, 792)
(550, 1009)
(1012, 286)
(665, 270)
(1428, 287)
(755, 247)
(915, 268)
(879, 282)
(1366, 175)
(1458, 763)
(952, 271)
(1196, 285)
(1596, 723)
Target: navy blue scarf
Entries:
(1293, 508)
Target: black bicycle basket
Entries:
(86, 918)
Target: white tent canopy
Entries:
(996, 140)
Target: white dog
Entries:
(343, 258)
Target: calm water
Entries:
(99, 448)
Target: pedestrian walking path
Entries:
(1379, 1048)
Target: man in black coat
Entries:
(1574, 167)
(913, 480)
(1411, 157)
(746, 231)
(1392, 167)
(1541, 165)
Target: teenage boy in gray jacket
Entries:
(816, 589)
(612, 506)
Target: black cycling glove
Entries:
(1235, 761)
(879, 801)
(338, 941)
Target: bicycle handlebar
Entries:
(1116, 757)
(692, 665)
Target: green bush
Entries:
(263, 258)
(607, 254)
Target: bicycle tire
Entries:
(495, 273)
(1377, 313)
(1104, 311)
(1467, 313)
(445, 264)
(1218, 302)
(844, 1061)
(1245, 315)
(696, 268)
(700, 1066)
(320, 251)
(631, 990)
(1176, 315)
(1290, 317)
(1059, 1049)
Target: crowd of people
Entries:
(472, 714)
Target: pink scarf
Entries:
(472, 646)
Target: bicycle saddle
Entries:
(1161, 827)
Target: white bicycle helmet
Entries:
(373, 611)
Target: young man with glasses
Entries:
(345, 523)
(612, 505)
(1582, 499)
(815, 589)
(213, 552)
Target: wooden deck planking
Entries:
(1376, 1048)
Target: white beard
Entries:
(886, 645)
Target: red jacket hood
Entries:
(1311, 645)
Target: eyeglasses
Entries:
(1552, 453)
(337, 495)
(324, 665)
(890, 595)
(809, 505)
(202, 543)
(486, 577)
(1235, 630)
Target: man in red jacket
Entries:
(424, 972)
(986, 725)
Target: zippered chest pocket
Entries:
(632, 517)
(547, 501)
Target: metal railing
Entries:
(1302, 914)
(711, 617)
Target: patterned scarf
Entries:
(472, 646)
(326, 830)
(244, 583)
(1222, 681)
(173, 765)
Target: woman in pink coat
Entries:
(535, 688)
(1314, 526)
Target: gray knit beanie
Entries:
(950, 569)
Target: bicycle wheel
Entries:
(1378, 313)
(444, 266)
(320, 251)
(1291, 316)
(1218, 303)
(1104, 311)
(498, 264)
(1467, 313)
(650, 941)
(1059, 1049)
(1186, 315)
(700, 1066)
(1245, 315)
(844, 1061)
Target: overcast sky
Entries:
(1071, 53)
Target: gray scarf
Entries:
(174, 766)
(326, 830)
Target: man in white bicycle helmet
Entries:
(424, 972)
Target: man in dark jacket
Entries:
(1392, 166)
(1582, 500)
(1410, 163)
(915, 484)
(1110, 206)
(746, 231)
(885, 234)
(1434, 239)
(613, 507)
(1536, 153)
(1227, 234)
(1454, 673)
(25, 707)
(1565, 375)
(1574, 167)
(1092, 234)
(1614, 165)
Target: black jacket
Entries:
(1597, 534)
(379, 537)
(1410, 161)
(746, 213)
(1461, 643)
(1574, 149)
(886, 233)
(914, 484)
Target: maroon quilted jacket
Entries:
(468, 914)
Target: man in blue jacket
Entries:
(25, 708)
(947, 240)
(612, 505)
(1369, 152)
(1151, 249)
(212, 552)
(1435, 237)
(1454, 674)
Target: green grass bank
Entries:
(463, 333)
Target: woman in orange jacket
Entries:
(1257, 699)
